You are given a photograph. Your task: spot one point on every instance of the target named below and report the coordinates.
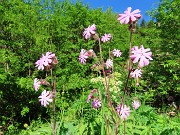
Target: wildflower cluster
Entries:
(138, 55)
(46, 62)
(84, 55)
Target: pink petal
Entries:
(128, 10)
(127, 20)
(143, 62)
(121, 16)
(135, 11)
(136, 58)
(148, 55)
(137, 16)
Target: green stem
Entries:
(124, 127)
(53, 102)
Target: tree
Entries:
(167, 20)
(166, 79)
(143, 23)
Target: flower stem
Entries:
(130, 67)
(53, 109)
(106, 83)
(130, 47)
(124, 127)
(53, 102)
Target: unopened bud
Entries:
(54, 61)
(44, 82)
(95, 36)
(132, 27)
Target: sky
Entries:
(119, 6)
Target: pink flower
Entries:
(45, 98)
(89, 31)
(136, 73)
(142, 55)
(106, 37)
(136, 104)
(45, 60)
(117, 53)
(123, 111)
(48, 58)
(37, 84)
(96, 103)
(83, 56)
(40, 64)
(129, 17)
(109, 63)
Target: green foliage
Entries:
(164, 70)
(167, 16)
(145, 120)
(30, 28)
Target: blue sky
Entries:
(119, 6)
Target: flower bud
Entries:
(54, 61)
(132, 27)
(44, 82)
(95, 36)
